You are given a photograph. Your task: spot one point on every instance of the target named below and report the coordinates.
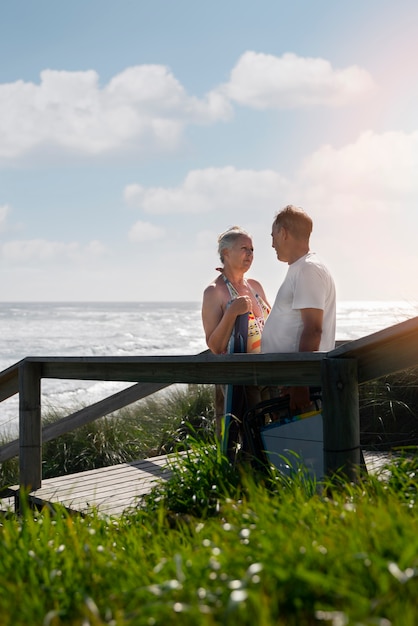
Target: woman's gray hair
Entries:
(227, 239)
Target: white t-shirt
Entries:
(308, 285)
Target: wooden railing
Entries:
(338, 372)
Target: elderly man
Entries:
(303, 316)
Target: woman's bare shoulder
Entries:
(214, 289)
(258, 288)
(255, 284)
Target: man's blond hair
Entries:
(295, 220)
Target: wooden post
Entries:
(341, 416)
(30, 431)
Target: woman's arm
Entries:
(217, 322)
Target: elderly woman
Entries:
(232, 306)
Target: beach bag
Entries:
(292, 443)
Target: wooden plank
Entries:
(385, 352)
(302, 368)
(9, 450)
(108, 490)
(77, 499)
(79, 418)
(116, 495)
(30, 437)
(341, 419)
(9, 382)
(105, 474)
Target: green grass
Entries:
(216, 544)
(222, 545)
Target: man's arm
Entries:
(310, 339)
(309, 342)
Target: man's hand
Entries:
(300, 401)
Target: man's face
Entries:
(278, 238)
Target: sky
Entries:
(134, 132)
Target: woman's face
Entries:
(240, 255)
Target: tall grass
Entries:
(153, 426)
(389, 411)
(252, 550)
(148, 428)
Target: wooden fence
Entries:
(338, 372)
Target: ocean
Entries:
(130, 329)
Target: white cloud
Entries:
(4, 212)
(362, 197)
(265, 81)
(375, 164)
(211, 189)
(94, 248)
(20, 252)
(143, 107)
(153, 90)
(145, 231)
(377, 171)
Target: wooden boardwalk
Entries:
(108, 490)
(112, 490)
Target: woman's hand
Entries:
(218, 322)
(241, 305)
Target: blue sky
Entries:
(133, 132)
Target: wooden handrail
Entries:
(246, 369)
(382, 353)
(301, 368)
(9, 382)
(338, 372)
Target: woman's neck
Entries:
(237, 282)
(236, 278)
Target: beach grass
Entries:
(389, 411)
(156, 425)
(247, 549)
